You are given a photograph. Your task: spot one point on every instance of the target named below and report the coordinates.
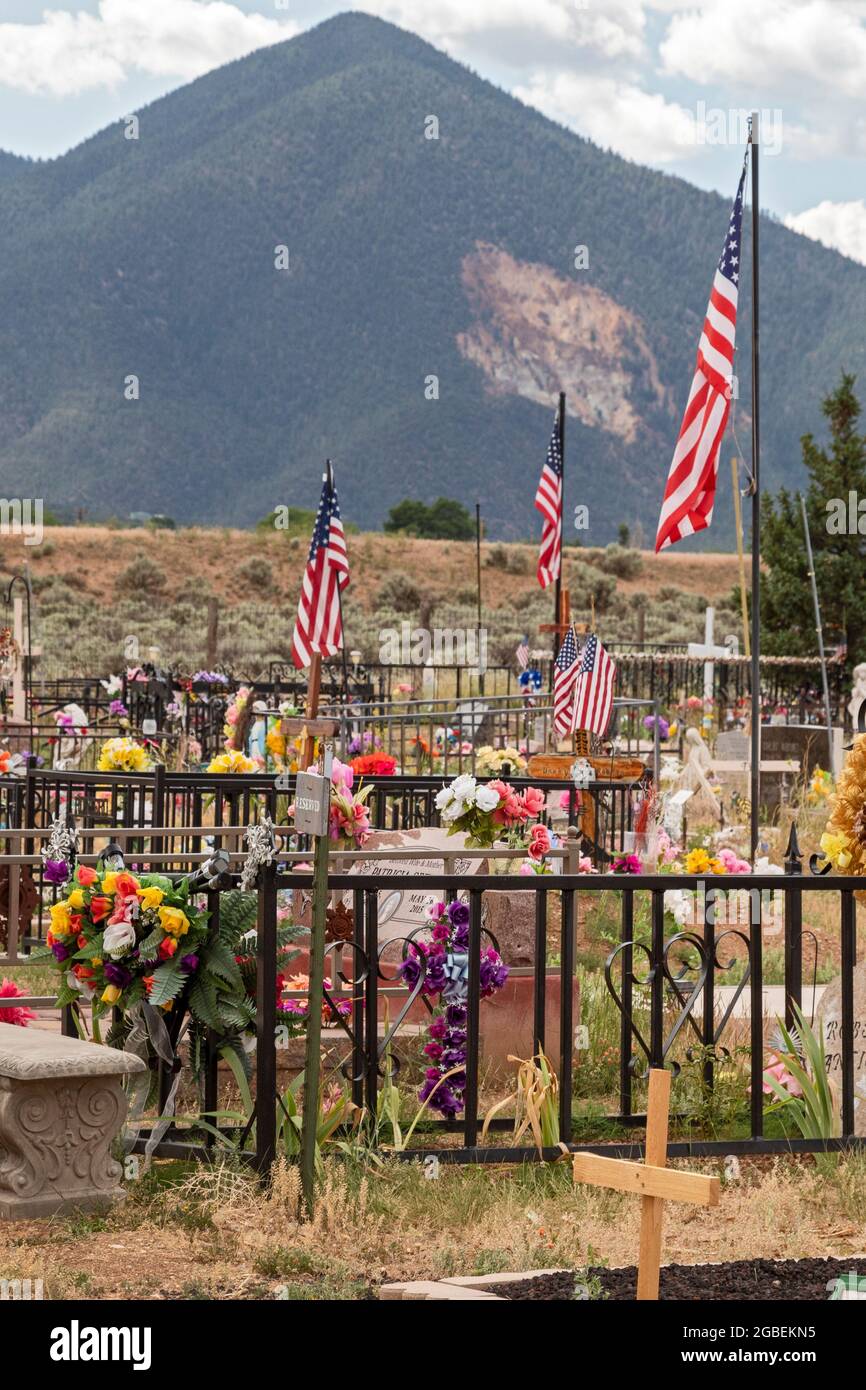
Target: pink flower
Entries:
(17, 1015)
(533, 802)
(539, 842)
(585, 865)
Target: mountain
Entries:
(408, 258)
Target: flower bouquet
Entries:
(349, 823)
(490, 761)
(123, 755)
(232, 761)
(486, 812)
(443, 965)
(374, 765)
(118, 939)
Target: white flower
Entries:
(463, 788)
(82, 986)
(485, 799)
(119, 939)
(677, 903)
(443, 798)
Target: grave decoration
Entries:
(118, 940)
(232, 761)
(490, 762)
(843, 842)
(123, 755)
(439, 970)
(488, 811)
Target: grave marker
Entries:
(655, 1183)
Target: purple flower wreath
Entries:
(443, 962)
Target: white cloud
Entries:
(66, 53)
(515, 31)
(839, 225)
(640, 125)
(773, 44)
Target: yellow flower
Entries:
(233, 761)
(173, 921)
(60, 919)
(123, 755)
(697, 862)
(110, 994)
(717, 867)
(834, 846)
(109, 883)
(76, 899)
(276, 743)
(150, 897)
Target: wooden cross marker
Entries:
(652, 1181)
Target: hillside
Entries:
(408, 258)
(97, 588)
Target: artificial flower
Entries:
(150, 897)
(118, 939)
(17, 1014)
(172, 920)
(233, 761)
(85, 875)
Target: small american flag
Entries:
(318, 626)
(548, 500)
(593, 693)
(522, 653)
(691, 486)
(565, 671)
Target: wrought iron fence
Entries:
(680, 973)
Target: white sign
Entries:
(312, 803)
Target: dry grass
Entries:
(214, 1233)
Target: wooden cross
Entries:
(563, 623)
(652, 1181)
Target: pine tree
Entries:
(837, 482)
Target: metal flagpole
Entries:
(754, 137)
(330, 476)
(478, 590)
(557, 593)
(820, 631)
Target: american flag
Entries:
(522, 653)
(691, 486)
(565, 670)
(593, 693)
(548, 500)
(318, 626)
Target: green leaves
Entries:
(168, 981)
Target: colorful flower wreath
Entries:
(117, 939)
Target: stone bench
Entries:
(61, 1106)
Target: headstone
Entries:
(733, 744)
(403, 911)
(829, 1019)
(807, 745)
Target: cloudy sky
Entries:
(664, 82)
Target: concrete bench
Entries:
(62, 1105)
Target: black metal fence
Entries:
(665, 983)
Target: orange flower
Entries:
(147, 981)
(125, 886)
(167, 948)
(85, 875)
(81, 941)
(100, 907)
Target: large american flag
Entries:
(565, 670)
(593, 692)
(318, 626)
(691, 487)
(548, 500)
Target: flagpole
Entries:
(820, 631)
(330, 478)
(754, 137)
(557, 593)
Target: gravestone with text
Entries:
(829, 1019)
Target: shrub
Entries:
(587, 583)
(142, 577)
(398, 593)
(625, 564)
(257, 573)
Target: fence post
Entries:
(266, 1020)
(793, 930)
